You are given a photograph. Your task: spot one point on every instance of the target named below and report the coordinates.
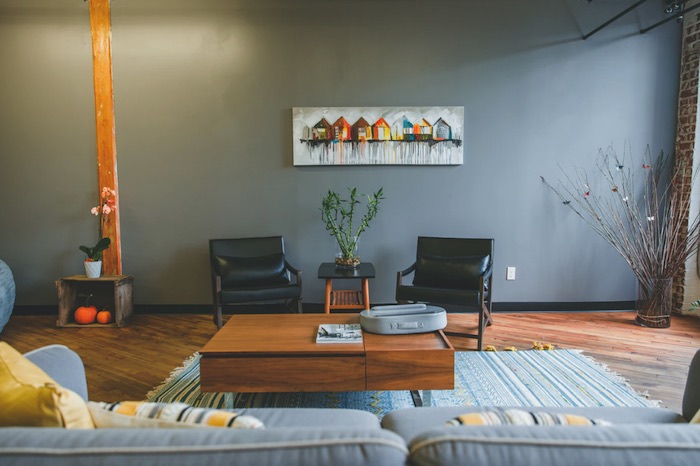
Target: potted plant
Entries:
(93, 262)
(645, 221)
(338, 216)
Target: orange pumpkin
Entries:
(85, 315)
(104, 316)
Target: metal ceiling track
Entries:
(679, 4)
(677, 15)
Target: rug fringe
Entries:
(175, 373)
(622, 380)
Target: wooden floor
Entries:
(124, 364)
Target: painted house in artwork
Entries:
(321, 131)
(341, 129)
(402, 130)
(442, 130)
(361, 130)
(381, 131)
(422, 130)
(307, 133)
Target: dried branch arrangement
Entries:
(645, 220)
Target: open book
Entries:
(339, 333)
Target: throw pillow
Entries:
(166, 415)
(252, 271)
(456, 272)
(30, 398)
(519, 417)
(696, 418)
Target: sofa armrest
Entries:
(63, 365)
(691, 395)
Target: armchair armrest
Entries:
(294, 271)
(291, 268)
(403, 273)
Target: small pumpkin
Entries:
(104, 317)
(85, 315)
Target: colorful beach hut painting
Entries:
(361, 130)
(381, 131)
(416, 136)
(442, 130)
(322, 131)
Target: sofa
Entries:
(309, 436)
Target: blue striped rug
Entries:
(503, 378)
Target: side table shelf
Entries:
(111, 292)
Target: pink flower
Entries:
(106, 209)
(95, 211)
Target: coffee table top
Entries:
(294, 334)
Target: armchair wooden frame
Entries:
(484, 308)
(217, 288)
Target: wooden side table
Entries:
(113, 292)
(346, 299)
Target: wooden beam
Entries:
(101, 28)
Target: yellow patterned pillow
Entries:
(30, 398)
(519, 417)
(166, 415)
(696, 418)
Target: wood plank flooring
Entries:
(124, 364)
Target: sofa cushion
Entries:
(630, 444)
(339, 446)
(457, 272)
(521, 417)
(31, 398)
(252, 271)
(166, 415)
(409, 423)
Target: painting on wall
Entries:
(378, 135)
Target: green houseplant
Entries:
(338, 216)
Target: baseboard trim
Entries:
(577, 306)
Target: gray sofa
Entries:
(309, 436)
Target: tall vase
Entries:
(345, 261)
(654, 303)
(93, 269)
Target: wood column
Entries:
(101, 28)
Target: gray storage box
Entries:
(403, 318)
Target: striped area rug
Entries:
(503, 378)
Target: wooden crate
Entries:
(111, 292)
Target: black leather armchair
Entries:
(452, 271)
(246, 270)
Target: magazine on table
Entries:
(339, 333)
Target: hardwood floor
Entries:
(124, 364)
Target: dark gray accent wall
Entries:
(204, 91)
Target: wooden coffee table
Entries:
(279, 353)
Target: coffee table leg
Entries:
(228, 400)
(425, 400)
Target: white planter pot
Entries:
(93, 269)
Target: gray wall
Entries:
(204, 91)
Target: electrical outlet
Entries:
(510, 273)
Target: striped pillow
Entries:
(167, 415)
(519, 417)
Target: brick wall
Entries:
(686, 287)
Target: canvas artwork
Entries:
(378, 135)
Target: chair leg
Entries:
(218, 316)
(299, 309)
(480, 333)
